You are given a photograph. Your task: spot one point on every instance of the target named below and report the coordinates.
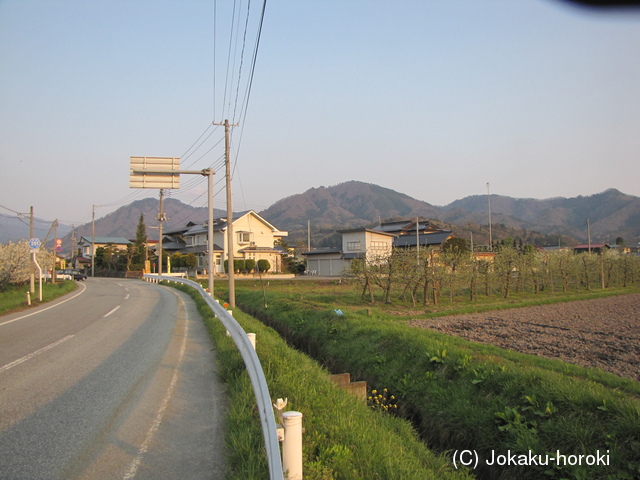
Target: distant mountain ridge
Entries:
(352, 204)
(611, 213)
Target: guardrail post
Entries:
(292, 445)
(252, 339)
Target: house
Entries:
(253, 238)
(593, 248)
(356, 243)
(410, 234)
(85, 243)
(372, 243)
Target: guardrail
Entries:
(254, 368)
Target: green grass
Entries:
(15, 298)
(343, 439)
(346, 293)
(460, 394)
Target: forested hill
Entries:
(611, 214)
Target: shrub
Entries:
(238, 265)
(249, 264)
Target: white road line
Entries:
(37, 352)
(45, 309)
(106, 315)
(144, 447)
(126, 297)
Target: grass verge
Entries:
(15, 297)
(344, 438)
(465, 396)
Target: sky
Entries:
(431, 98)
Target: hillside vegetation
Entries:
(357, 204)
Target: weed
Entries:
(382, 401)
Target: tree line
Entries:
(429, 275)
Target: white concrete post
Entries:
(252, 339)
(292, 445)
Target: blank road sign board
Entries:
(154, 172)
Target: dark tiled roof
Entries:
(322, 251)
(426, 239)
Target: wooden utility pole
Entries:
(93, 241)
(73, 246)
(32, 282)
(161, 218)
(489, 202)
(230, 252)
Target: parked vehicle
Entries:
(75, 274)
(59, 275)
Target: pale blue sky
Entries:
(432, 98)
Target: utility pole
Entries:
(32, 282)
(230, 252)
(210, 243)
(93, 240)
(161, 218)
(490, 236)
(73, 243)
(589, 235)
(418, 240)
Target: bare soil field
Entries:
(602, 333)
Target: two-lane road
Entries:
(115, 380)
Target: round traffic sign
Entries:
(58, 248)
(58, 241)
(34, 243)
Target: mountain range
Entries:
(324, 210)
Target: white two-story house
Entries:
(253, 238)
(356, 243)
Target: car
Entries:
(75, 274)
(59, 276)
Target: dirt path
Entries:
(603, 333)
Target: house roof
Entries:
(262, 249)
(370, 230)
(200, 249)
(322, 251)
(105, 240)
(593, 245)
(426, 239)
(402, 227)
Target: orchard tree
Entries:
(15, 263)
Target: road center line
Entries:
(106, 315)
(45, 309)
(37, 352)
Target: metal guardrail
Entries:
(254, 368)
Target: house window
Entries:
(354, 246)
(244, 237)
(378, 246)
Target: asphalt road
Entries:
(115, 380)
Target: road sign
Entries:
(58, 248)
(58, 241)
(34, 244)
(154, 172)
